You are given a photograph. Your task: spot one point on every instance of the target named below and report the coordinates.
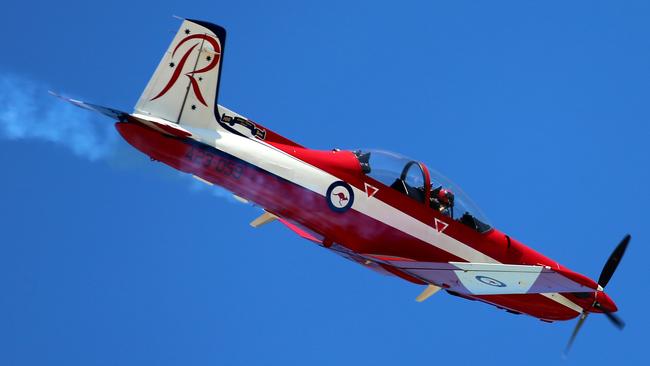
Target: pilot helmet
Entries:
(446, 197)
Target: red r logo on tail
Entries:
(181, 63)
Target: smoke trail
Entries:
(28, 112)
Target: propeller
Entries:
(603, 280)
(613, 261)
(581, 321)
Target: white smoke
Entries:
(27, 111)
(215, 191)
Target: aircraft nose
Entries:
(606, 303)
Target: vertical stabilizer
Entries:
(185, 86)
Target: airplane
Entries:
(386, 212)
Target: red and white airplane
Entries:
(388, 213)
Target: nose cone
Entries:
(606, 303)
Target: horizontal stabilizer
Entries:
(106, 111)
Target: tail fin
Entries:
(185, 86)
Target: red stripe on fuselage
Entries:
(345, 166)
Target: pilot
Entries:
(442, 200)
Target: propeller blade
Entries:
(613, 261)
(582, 319)
(618, 322)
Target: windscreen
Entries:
(387, 167)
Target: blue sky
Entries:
(538, 110)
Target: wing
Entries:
(491, 278)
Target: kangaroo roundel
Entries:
(339, 196)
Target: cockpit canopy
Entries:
(415, 180)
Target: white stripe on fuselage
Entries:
(282, 164)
